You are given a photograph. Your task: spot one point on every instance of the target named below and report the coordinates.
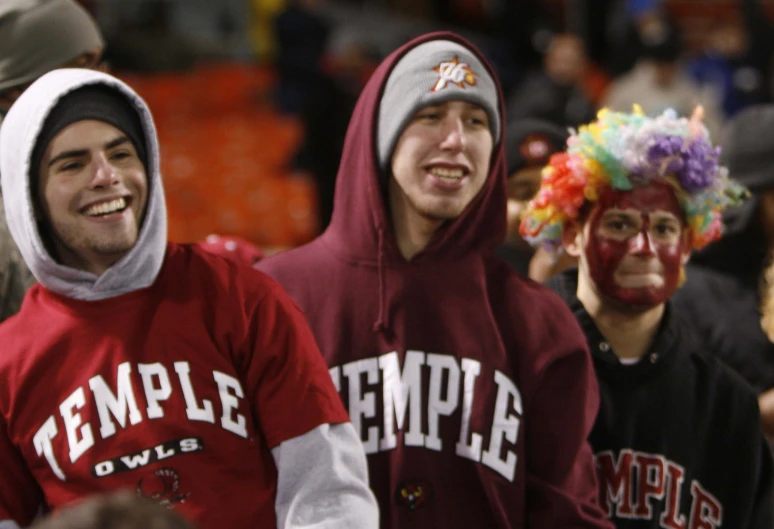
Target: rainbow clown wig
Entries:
(623, 150)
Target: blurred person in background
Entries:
(563, 91)
(678, 435)
(726, 68)
(615, 30)
(529, 143)
(143, 37)
(36, 36)
(341, 72)
(658, 83)
(301, 36)
(759, 30)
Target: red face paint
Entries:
(635, 245)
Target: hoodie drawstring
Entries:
(380, 324)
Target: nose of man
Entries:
(641, 244)
(453, 135)
(104, 174)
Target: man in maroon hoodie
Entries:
(471, 387)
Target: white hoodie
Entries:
(21, 127)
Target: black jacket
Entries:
(724, 311)
(721, 298)
(676, 428)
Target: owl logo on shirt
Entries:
(413, 493)
(162, 486)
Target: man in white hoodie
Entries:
(140, 363)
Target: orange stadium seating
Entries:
(225, 152)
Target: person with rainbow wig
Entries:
(677, 441)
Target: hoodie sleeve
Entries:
(323, 481)
(561, 479)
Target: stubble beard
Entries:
(106, 245)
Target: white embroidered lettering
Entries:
(230, 403)
(363, 405)
(155, 394)
(44, 446)
(471, 370)
(397, 391)
(439, 404)
(193, 410)
(72, 421)
(505, 424)
(137, 460)
(117, 405)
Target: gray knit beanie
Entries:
(434, 72)
(95, 102)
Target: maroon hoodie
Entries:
(471, 386)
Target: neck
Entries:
(97, 267)
(96, 264)
(629, 333)
(413, 230)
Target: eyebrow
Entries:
(83, 152)
(618, 214)
(659, 216)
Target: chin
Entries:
(443, 212)
(639, 300)
(113, 246)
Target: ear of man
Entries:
(572, 238)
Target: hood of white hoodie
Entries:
(20, 129)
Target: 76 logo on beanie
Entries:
(454, 72)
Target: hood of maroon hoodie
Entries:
(360, 220)
(470, 341)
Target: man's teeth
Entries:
(104, 208)
(454, 174)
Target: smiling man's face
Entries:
(93, 190)
(441, 160)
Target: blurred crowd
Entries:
(681, 65)
(559, 61)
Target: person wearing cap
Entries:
(678, 440)
(36, 36)
(727, 287)
(529, 143)
(137, 363)
(470, 386)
